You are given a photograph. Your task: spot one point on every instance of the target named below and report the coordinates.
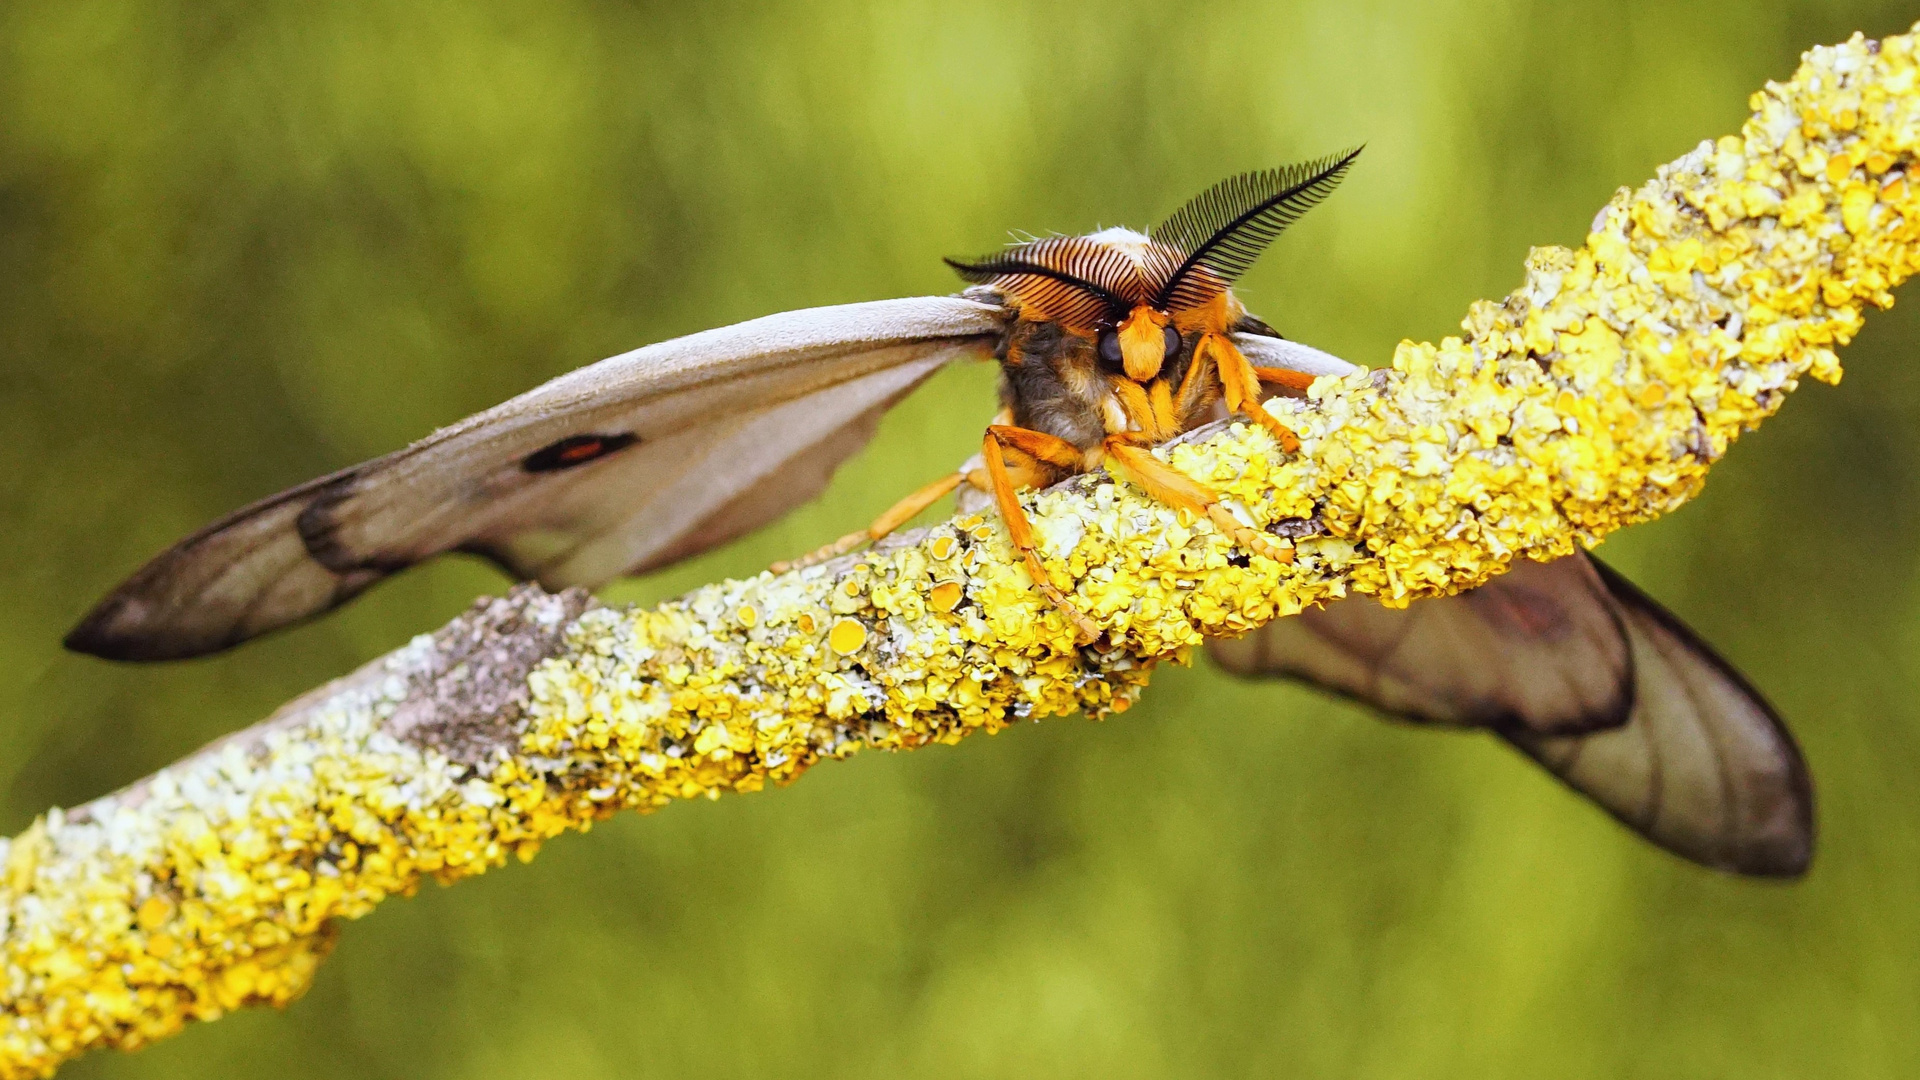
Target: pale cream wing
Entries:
(1703, 767)
(667, 497)
(1268, 351)
(1538, 648)
(620, 466)
(1690, 755)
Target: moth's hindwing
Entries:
(1587, 675)
(1704, 766)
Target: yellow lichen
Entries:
(846, 637)
(945, 595)
(1596, 395)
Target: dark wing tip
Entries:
(1779, 848)
(242, 576)
(1788, 853)
(143, 621)
(98, 635)
(128, 625)
(1786, 857)
(131, 623)
(1782, 846)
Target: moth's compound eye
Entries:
(1108, 347)
(1173, 343)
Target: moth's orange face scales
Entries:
(1144, 340)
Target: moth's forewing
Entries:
(628, 463)
(1587, 675)
(676, 495)
(1271, 351)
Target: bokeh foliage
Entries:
(245, 243)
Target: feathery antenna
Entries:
(1072, 279)
(1226, 227)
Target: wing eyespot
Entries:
(576, 450)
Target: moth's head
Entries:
(1134, 295)
(1103, 288)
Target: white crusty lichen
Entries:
(1595, 396)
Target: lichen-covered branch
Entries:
(1595, 396)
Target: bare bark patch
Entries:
(470, 698)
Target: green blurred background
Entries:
(242, 244)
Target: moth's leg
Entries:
(1175, 488)
(1160, 396)
(977, 476)
(906, 509)
(895, 516)
(1298, 381)
(1150, 411)
(1038, 448)
(1198, 381)
(975, 467)
(1242, 386)
(1039, 458)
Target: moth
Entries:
(1107, 344)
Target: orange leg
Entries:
(1138, 408)
(1198, 380)
(1163, 414)
(1286, 377)
(1051, 451)
(1242, 385)
(1175, 488)
(1150, 408)
(1040, 446)
(896, 515)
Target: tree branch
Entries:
(1595, 396)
